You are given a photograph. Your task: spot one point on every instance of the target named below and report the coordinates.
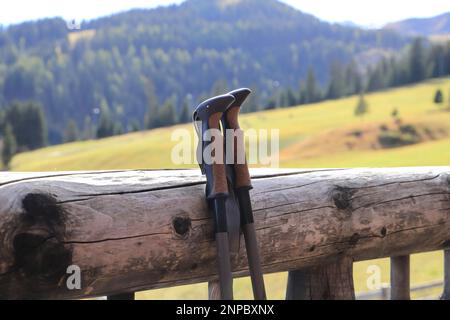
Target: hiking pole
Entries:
(242, 186)
(207, 118)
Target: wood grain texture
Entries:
(213, 290)
(333, 281)
(137, 230)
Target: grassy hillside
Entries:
(310, 136)
(321, 135)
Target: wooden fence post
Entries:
(446, 293)
(329, 282)
(214, 290)
(385, 292)
(400, 284)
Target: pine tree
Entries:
(311, 90)
(291, 100)
(106, 124)
(353, 79)
(302, 93)
(337, 86)
(151, 115)
(186, 112)
(117, 128)
(252, 102)
(417, 61)
(376, 79)
(9, 145)
(2, 119)
(71, 133)
(438, 97)
(394, 113)
(219, 87)
(362, 107)
(133, 126)
(28, 124)
(166, 114)
(437, 56)
(271, 103)
(88, 129)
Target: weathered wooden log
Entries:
(400, 279)
(135, 230)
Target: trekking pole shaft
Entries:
(223, 250)
(220, 187)
(225, 275)
(251, 244)
(243, 185)
(256, 274)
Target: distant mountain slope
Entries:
(439, 25)
(122, 62)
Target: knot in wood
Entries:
(182, 225)
(39, 252)
(354, 239)
(342, 198)
(42, 209)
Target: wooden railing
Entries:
(129, 231)
(421, 290)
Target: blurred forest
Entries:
(148, 68)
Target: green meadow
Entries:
(325, 134)
(316, 135)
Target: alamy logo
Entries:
(73, 281)
(262, 147)
(373, 281)
(73, 25)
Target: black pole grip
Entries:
(220, 215)
(243, 195)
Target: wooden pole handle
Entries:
(241, 169)
(220, 185)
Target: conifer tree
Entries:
(362, 107)
(438, 97)
(9, 145)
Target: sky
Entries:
(373, 13)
